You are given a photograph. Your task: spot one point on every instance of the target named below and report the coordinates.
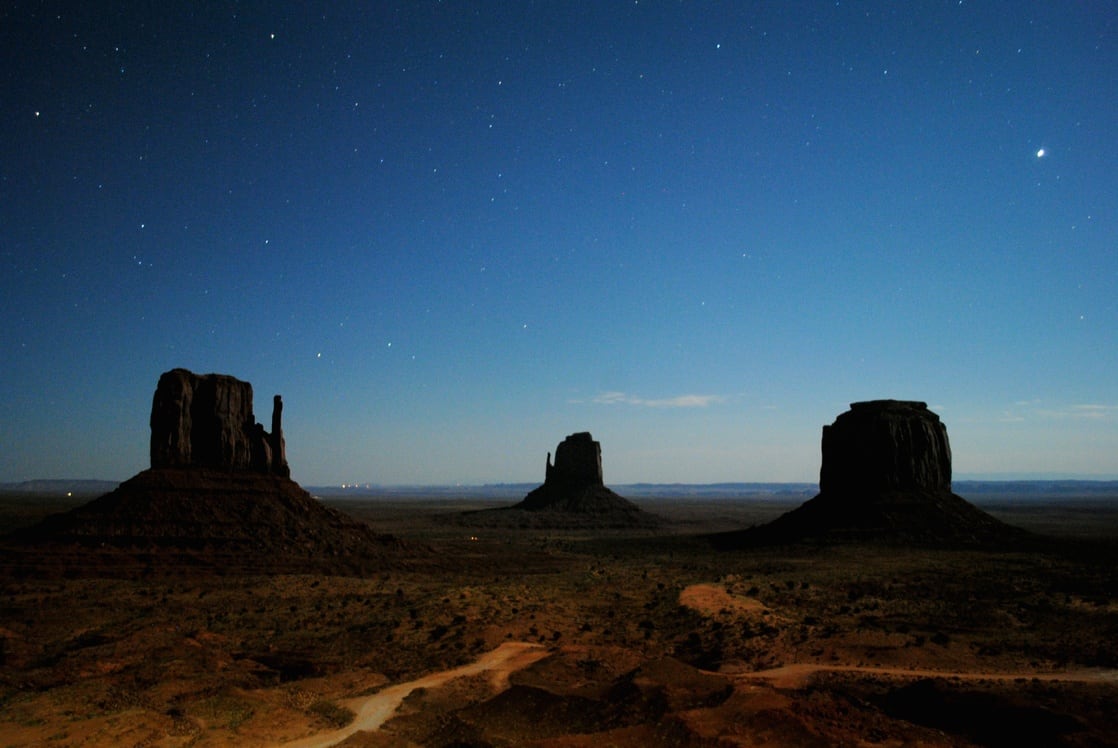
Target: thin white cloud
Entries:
(610, 398)
(1085, 411)
(1023, 411)
(680, 401)
(1093, 411)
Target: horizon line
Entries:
(974, 477)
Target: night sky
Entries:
(452, 233)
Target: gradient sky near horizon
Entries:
(452, 233)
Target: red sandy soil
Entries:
(573, 638)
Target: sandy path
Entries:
(798, 675)
(710, 599)
(373, 711)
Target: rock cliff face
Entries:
(885, 477)
(885, 445)
(578, 462)
(207, 421)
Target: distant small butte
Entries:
(573, 494)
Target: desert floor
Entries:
(506, 636)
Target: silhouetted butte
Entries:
(218, 494)
(573, 494)
(886, 477)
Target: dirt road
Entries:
(798, 675)
(375, 710)
(712, 599)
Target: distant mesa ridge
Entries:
(885, 476)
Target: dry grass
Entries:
(639, 655)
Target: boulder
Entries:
(207, 421)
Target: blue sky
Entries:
(451, 233)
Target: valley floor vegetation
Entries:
(639, 637)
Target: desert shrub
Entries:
(589, 665)
(332, 714)
(225, 710)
